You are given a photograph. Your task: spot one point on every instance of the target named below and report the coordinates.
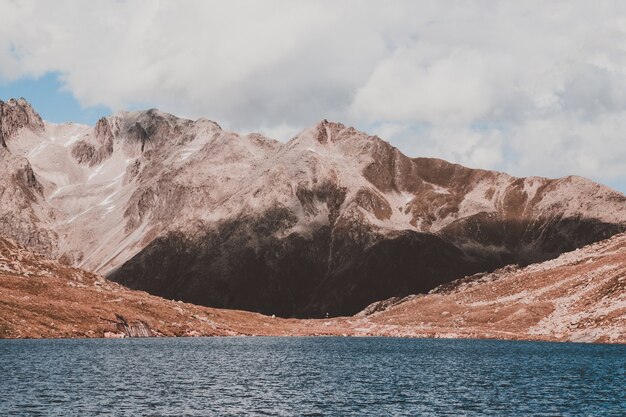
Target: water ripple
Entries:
(309, 377)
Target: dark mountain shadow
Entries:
(243, 264)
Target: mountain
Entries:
(326, 223)
(579, 296)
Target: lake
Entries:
(316, 376)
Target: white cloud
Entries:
(569, 144)
(463, 145)
(246, 63)
(434, 84)
(531, 87)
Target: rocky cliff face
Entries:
(24, 215)
(16, 115)
(326, 223)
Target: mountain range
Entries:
(322, 225)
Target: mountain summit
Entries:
(326, 223)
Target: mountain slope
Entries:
(580, 296)
(43, 298)
(324, 224)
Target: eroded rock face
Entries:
(326, 223)
(102, 148)
(21, 193)
(15, 115)
(21, 208)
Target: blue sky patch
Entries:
(47, 96)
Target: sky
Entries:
(530, 88)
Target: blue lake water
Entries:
(309, 377)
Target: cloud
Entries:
(529, 87)
(568, 144)
(247, 63)
(459, 144)
(428, 84)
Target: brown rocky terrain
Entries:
(327, 223)
(40, 298)
(580, 296)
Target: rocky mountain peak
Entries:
(327, 131)
(327, 138)
(15, 115)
